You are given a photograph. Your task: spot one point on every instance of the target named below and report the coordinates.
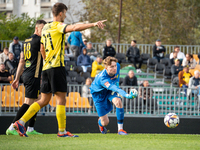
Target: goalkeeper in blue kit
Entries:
(104, 90)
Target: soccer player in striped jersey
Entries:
(53, 72)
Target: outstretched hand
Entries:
(100, 24)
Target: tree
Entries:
(23, 26)
(174, 21)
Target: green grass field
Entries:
(101, 142)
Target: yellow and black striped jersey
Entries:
(53, 39)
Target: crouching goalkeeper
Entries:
(104, 90)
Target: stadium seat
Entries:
(70, 102)
(166, 62)
(78, 69)
(9, 101)
(167, 55)
(67, 68)
(159, 68)
(151, 62)
(18, 96)
(71, 64)
(86, 75)
(121, 80)
(80, 80)
(167, 73)
(8, 89)
(89, 69)
(74, 95)
(121, 57)
(145, 57)
(175, 82)
(73, 75)
(68, 79)
(82, 102)
(195, 56)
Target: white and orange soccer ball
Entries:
(171, 120)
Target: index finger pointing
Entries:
(104, 20)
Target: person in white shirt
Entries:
(4, 55)
(189, 60)
(180, 55)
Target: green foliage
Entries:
(22, 27)
(172, 21)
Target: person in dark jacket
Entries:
(108, 50)
(84, 60)
(158, 50)
(145, 95)
(133, 54)
(130, 79)
(11, 64)
(172, 60)
(176, 68)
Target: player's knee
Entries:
(118, 103)
(105, 122)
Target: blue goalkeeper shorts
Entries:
(103, 103)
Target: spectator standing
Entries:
(5, 76)
(180, 55)
(189, 60)
(184, 77)
(75, 41)
(158, 50)
(194, 83)
(133, 54)
(172, 60)
(108, 50)
(91, 51)
(86, 88)
(145, 95)
(68, 53)
(176, 68)
(97, 66)
(130, 79)
(84, 60)
(15, 47)
(4, 55)
(11, 64)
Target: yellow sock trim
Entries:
(33, 109)
(61, 117)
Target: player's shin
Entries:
(33, 109)
(61, 118)
(120, 117)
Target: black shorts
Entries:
(54, 80)
(32, 86)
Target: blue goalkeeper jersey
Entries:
(103, 83)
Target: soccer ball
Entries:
(171, 120)
(134, 91)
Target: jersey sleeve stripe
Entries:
(65, 28)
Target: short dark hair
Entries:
(134, 41)
(40, 22)
(58, 7)
(5, 48)
(174, 52)
(176, 47)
